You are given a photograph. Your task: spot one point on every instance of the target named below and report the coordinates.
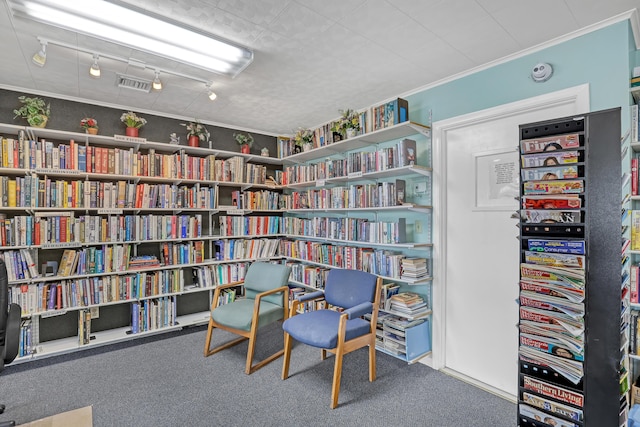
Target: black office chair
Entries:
(9, 328)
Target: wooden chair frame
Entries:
(342, 347)
(251, 335)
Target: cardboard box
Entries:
(635, 395)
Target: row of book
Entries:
(372, 119)
(152, 314)
(67, 294)
(380, 262)
(353, 229)
(402, 154)
(382, 194)
(208, 276)
(310, 275)
(62, 227)
(33, 191)
(239, 249)
(256, 200)
(236, 225)
(46, 156)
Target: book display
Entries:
(364, 203)
(574, 323)
(106, 238)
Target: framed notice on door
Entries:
(497, 180)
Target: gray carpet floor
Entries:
(166, 381)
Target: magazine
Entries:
(542, 216)
(555, 259)
(569, 201)
(552, 303)
(552, 346)
(557, 246)
(571, 186)
(572, 370)
(571, 325)
(536, 414)
(551, 158)
(551, 143)
(551, 406)
(547, 389)
(573, 295)
(555, 172)
(555, 275)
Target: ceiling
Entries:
(311, 58)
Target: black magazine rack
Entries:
(576, 209)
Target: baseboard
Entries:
(480, 385)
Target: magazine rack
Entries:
(594, 396)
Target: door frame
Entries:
(578, 95)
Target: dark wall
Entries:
(66, 116)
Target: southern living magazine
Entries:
(550, 390)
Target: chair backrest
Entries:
(348, 288)
(264, 276)
(4, 303)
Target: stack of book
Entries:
(414, 268)
(407, 304)
(143, 261)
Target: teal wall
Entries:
(601, 58)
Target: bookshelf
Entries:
(573, 347)
(141, 222)
(352, 204)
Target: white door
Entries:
(475, 327)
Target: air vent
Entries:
(134, 83)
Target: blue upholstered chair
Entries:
(266, 301)
(340, 328)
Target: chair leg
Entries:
(287, 356)
(207, 344)
(337, 375)
(372, 362)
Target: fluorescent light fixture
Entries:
(127, 25)
(40, 57)
(94, 71)
(157, 84)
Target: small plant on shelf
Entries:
(197, 129)
(90, 125)
(131, 120)
(245, 141)
(303, 139)
(348, 124)
(34, 109)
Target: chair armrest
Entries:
(216, 293)
(312, 295)
(359, 310)
(259, 296)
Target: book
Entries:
(407, 152)
(401, 186)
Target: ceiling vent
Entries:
(134, 83)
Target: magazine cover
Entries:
(568, 201)
(551, 406)
(575, 186)
(540, 216)
(542, 174)
(557, 246)
(560, 276)
(551, 143)
(536, 414)
(552, 158)
(573, 295)
(546, 389)
(554, 260)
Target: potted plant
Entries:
(245, 141)
(35, 110)
(303, 139)
(348, 124)
(196, 132)
(132, 122)
(89, 125)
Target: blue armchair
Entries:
(339, 329)
(266, 301)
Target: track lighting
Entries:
(94, 71)
(157, 84)
(40, 57)
(210, 93)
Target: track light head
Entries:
(40, 57)
(210, 93)
(94, 71)
(157, 83)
